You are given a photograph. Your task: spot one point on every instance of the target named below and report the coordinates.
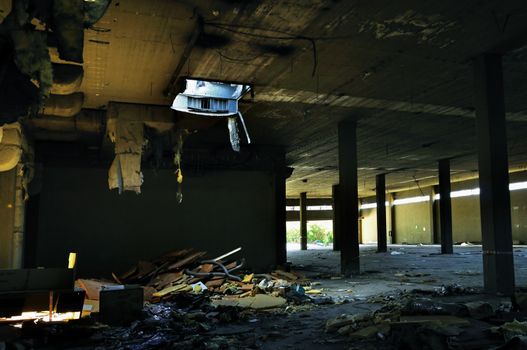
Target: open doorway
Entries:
(319, 234)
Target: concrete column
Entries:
(336, 217)
(280, 213)
(19, 220)
(8, 181)
(303, 221)
(498, 264)
(445, 207)
(380, 193)
(392, 218)
(349, 238)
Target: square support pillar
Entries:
(303, 221)
(280, 175)
(336, 217)
(393, 233)
(498, 262)
(349, 229)
(445, 207)
(380, 195)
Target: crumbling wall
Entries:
(221, 211)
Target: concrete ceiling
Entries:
(401, 69)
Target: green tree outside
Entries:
(315, 233)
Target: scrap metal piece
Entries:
(244, 127)
(227, 273)
(227, 254)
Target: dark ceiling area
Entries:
(402, 70)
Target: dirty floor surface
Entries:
(386, 278)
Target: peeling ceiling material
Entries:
(126, 129)
(67, 78)
(87, 126)
(26, 30)
(400, 69)
(68, 26)
(426, 28)
(125, 172)
(63, 105)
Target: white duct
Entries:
(10, 146)
(63, 105)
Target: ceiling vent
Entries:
(212, 98)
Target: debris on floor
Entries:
(195, 303)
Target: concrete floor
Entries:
(403, 267)
(412, 267)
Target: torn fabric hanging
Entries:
(125, 172)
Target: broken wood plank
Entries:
(170, 256)
(285, 275)
(93, 287)
(162, 280)
(215, 282)
(173, 289)
(186, 261)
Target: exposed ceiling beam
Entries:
(346, 101)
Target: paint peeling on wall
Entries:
(426, 29)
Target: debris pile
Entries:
(449, 318)
(184, 272)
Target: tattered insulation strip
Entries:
(178, 151)
(125, 172)
(233, 133)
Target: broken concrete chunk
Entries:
(371, 331)
(519, 300)
(479, 309)
(343, 320)
(512, 329)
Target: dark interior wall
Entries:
(220, 211)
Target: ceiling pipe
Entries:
(67, 78)
(63, 105)
(86, 124)
(10, 146)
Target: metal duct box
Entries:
(210, 98)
